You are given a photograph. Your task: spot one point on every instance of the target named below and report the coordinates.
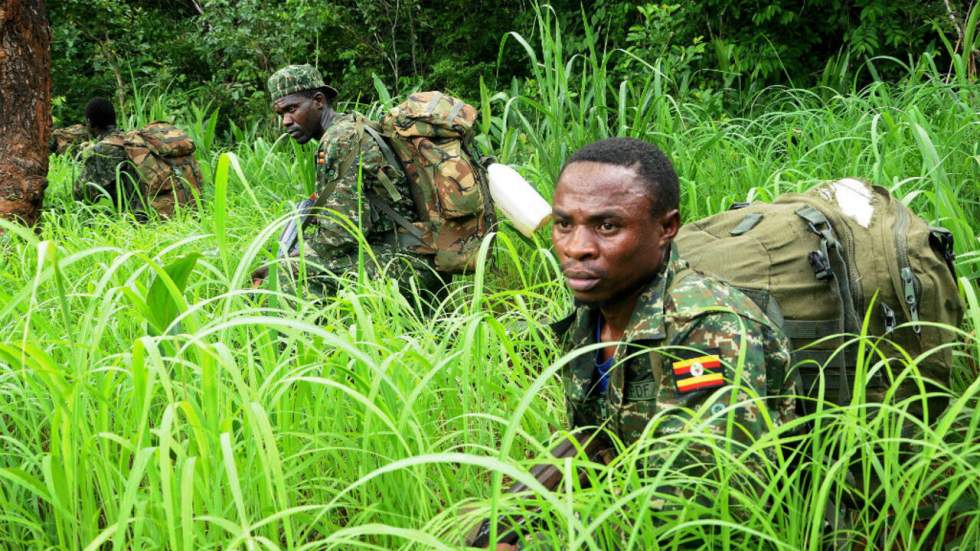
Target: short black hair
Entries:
(650, 164)
(100, 113)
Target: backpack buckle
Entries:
(821, 266)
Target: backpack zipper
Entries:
(910, 284)
(890, 320)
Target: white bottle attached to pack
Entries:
(514, 196)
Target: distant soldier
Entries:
(358, 186)
(676, 340)
(152, 168)
(101, 120)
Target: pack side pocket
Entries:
(457, 189)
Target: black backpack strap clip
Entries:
(821, 266)
(941, 241)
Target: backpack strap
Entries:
(415, 237)
(389, 156)
(829, 263)
(750, 221)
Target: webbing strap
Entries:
(389, 156)
(817, 357)
(748, 222)
(431, 107)
(383, 206)
(830, 248)
(383, 146)
(455, 111)
(810, 330)
(810, 363)
(766, 302)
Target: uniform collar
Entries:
(647, 320)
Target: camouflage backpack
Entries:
(163, 156)
(68, 137)
(431, 136)
(814, 261)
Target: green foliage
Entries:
(225, 50)
(247, 419)
(721, 52)
(100, 46)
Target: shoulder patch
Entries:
(698, 370)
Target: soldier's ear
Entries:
(319, 99)
(670, 222)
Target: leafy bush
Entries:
(223, 50)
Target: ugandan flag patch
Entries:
(698, 371)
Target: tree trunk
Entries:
(25, 108)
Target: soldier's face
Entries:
(608, 241)
(301, 115)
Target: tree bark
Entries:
(25, 108)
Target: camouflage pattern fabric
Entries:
(103, 165)
(432, 135)
(331, 244)
(64, 139)
(681, 346)
(296, 78)
(154, 167)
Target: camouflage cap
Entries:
(297, 78)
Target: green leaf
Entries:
(165, 297)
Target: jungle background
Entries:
(718, 51)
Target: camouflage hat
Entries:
(297, 78)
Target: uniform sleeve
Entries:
(341, 157)
(694, 398)
(99, 173)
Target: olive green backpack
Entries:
(815, 260)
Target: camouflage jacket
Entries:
(680, 351)
(101, 164)
(346, 152)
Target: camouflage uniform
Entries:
(101, 163)
(353, 176)
(682, 344)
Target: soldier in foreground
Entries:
(615, 214)
(357, 187)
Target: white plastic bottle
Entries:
(517, 199)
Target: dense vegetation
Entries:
(152, 399)
(223, 50)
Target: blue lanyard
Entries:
(602, 368)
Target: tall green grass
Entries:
(153, 400)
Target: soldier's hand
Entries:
(259, 275)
